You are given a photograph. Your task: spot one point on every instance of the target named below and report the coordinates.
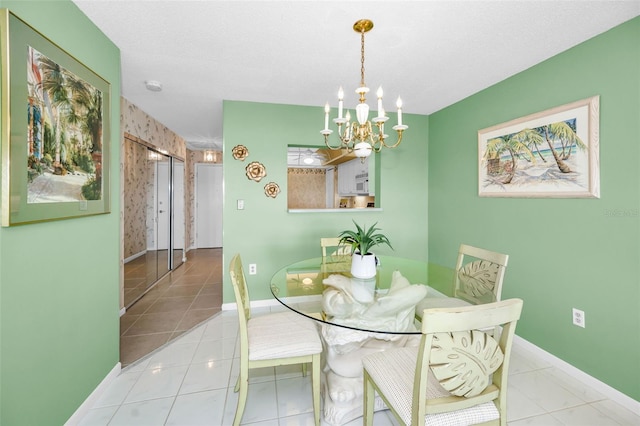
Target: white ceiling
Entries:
(432, 53)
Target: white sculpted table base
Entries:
(351, 303)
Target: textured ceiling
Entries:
(432, 53)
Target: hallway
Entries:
(181, 300)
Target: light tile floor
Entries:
(190, 381)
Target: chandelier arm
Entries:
(326, 142)
(377, 146)
(397, 142)
(327, 133)
(380, 136)
(346, 137)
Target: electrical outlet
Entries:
(240, 204)
(578, 318)
(253, 269)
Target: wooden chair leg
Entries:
(242, 401)
(315, 385)
(368, 397)
(242, 387)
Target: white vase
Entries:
(363, 266)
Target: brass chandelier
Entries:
(359, 136)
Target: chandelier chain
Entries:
(362, 59)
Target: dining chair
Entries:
(333, 251)
(271, 340)
(478, 278)
(456, 375)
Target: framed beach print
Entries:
(553, 153)
(55, 130)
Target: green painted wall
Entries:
(266, 234)
(59, 314)
(565, 253)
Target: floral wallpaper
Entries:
(149, 200)
(135, 193)
(136, 122)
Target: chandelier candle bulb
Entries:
(326, 116)
(399, 105)
(380, 110)
(340, 98)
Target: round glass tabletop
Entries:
(324, 289)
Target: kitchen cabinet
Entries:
(350, 173)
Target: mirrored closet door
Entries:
(154, 220)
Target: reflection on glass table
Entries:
(340, 299)
(357, 317)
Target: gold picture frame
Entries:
(549, 154)
(55, 130)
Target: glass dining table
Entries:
(356, 317)
(301, 286)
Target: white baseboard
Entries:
(601, 387)
(254, 304)
(93, 398)
(135, 256)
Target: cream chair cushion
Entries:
(394, 373)
(282, 335)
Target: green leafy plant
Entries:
(362, 239)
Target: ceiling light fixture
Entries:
(359, 136)
(153, 85)
(308, 157)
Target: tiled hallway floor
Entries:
(190, 382)
(181, 300)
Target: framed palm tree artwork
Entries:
(54, 130)
(553, 153)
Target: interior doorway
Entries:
(208, 205)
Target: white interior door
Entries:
(163, 205)
(208, 205)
